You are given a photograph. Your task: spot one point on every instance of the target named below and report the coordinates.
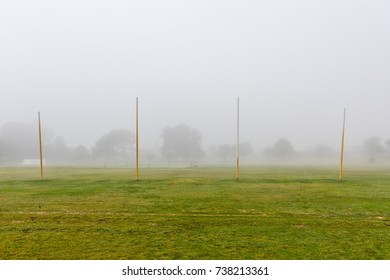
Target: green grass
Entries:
(201, 213)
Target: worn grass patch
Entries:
(201, 213)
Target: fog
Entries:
(295, 65)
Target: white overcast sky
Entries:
(294, 64)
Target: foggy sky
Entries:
(294, 64)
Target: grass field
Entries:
(200, 213)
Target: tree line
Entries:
(180, 143)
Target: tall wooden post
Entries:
(40, 145)
(342, 150)
(238, 140)
(136, 140)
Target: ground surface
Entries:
(200, 213)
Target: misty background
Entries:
(294, 64)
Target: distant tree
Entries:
(80, 153)
(20, 141)
(148, 156)
(373, 148)
(115, 145)
(282, 149)
(246, 149)
(224, 152)
(57, 150)
(1, 153)
(181, 143)
(388, 144)
(322, 150)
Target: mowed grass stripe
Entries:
(201, 213)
